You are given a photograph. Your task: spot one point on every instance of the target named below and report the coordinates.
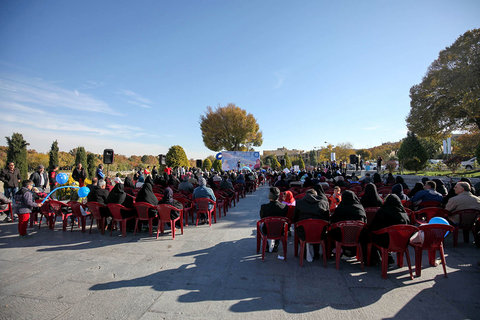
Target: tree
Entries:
(465, 144)
(448, 98)
(217, 165)
(432, 146)
(207, 164)
(91, 165)
(53, 155)
(302, 164)
(364, 154)
(412, 155)
(176, 157)
(34, 159)
(275, 164)
(288, 162)
(229, 128)
(66, 160)
(477, 153)
(312, 157)
(17, 153)
(81, 156)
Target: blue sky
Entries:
(135, 76)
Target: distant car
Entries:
(434, 161)
(469, 164)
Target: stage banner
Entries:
(237, 160)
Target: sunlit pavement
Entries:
(215, 273)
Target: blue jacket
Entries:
(427, 195)
(204, 192)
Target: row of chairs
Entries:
(399, 240)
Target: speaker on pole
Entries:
(162, 160)
(199, 163)
(353, 158)
(108, 156)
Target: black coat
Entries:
(312, 207)
(36, 178)
(98, 194)
(349, 209)
(273, 209)
(79, 174)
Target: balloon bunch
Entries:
(62, 178)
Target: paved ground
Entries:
(215, 273)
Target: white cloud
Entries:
(280, 77)
(39, 92)
(20, 107)
(136, 99)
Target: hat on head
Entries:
(274, 193)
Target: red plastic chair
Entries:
(94, 208)
(164, 217)
(8, 210)
(466, 221)
(371, 212)
(313, 234)
(57, 208)
(47, 212)
(117, 216)
(350, 231)
(299, 196)
(187, 208)
(277, 229)
(142, 215)
(426, 204)
(399, 237)
(222, 202)
(424, 215)
(202, 207)
(433, 235)
(77, 213)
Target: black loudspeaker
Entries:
(353, 159)
(199, 163)
(282, 162)
(162, 160)
(108, 156)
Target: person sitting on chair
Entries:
(463, 200)
(427, 194)
(273, 208)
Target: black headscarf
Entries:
(377, 178)
(349, 209)
(128, 183)
(390, 213)
(440, 187)
(398, 191)
(117, 195)
(370, 197)
(418, 187)
(146, 195)
(399, 179)
(149, 180)
(168, 196)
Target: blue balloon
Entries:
(83, 192)
(439, 220)
(62, 178)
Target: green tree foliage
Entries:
(81, 157)
(312, 157)
(66, 160)
(412, 155)
(229, 128)
(34, 159)
(288, 162)
(17, 153)
(365, 154)
(207, 164)
(275, 164)
(91, 165)
(301, 164)
(176, 157)
(53, 155)
(217, 165)
(465, 144)
(448, 98)
(432, 146)
(453, 162)
(144, 159)
(477, 153)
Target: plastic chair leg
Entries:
(384, 263)
(264, 247)
(136, 227)
(302, 252)
(295, 245)
(360, 256)
(418, 261)
(338, 253)
(431, 257)
(444, 263)
(284, 244)
(124, 228)
(408, 262)
(259, 239)
(324, 253)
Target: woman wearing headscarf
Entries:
(391, 213)
(398, 190)
(377, 180)
(140, 182)
(399, 179)
(288, 198)
(149, 179)
(119, 196)
(418, 187)
(440, 187)
(390, 179)
(168, 199)
(146, 195)
(349, 209)
(370, 197)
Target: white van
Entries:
(469, 164)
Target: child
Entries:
(23, 206)
(335, 198)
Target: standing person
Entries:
(52, 175)
(79, 174)
(10, 177)
(99, 174)
(146, 171)
(379, 164)
(40, 178)
(154, 173)
(24, 205)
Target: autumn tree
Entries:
(365, 154)
(275, 164)
(217, 165)
(448, 98)
(301, 164)
(465, 144)
(229, 128)
(207, 164)
(81, 156)
(412, 155)
(34, 159)
(65, 159)
(53, 155)
(288, 162)
(17, 153)
(176, 157)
